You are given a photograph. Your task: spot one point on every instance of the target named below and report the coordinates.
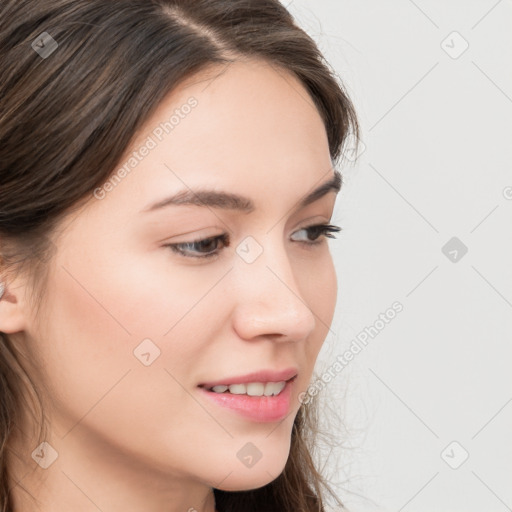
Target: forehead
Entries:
(248, 126)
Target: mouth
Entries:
(262, 397)
(251, 388)
(259, 383)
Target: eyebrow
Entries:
(229, 201)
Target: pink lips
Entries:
(256, 408)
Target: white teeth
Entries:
(274, 388)
(252, 388)
(219, 389)
(237, 389)
(255, 389)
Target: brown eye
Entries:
(317, 230)
(205, 248)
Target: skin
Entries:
(133, 437)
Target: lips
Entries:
(258, 376)
(258, 409)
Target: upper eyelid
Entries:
(226, 235)
(211, 237)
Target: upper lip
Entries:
(258, 376)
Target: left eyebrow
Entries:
(229, 201)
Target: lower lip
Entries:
(256, 408)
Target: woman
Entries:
(167, 185)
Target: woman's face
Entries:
(130, 330)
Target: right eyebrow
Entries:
(230, 201)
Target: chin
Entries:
(259, 475)
(247, 482)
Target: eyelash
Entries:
(324, 230)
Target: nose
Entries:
(269, 301)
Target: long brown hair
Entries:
(66, 119)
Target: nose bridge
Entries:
(270, 300)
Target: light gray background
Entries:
(437, 164)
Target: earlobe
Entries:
(11, 315)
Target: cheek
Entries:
(321, 297)
(97, 316)
(93, 378)
(83, 347)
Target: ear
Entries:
(12, 317)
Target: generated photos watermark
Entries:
(357, 345)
